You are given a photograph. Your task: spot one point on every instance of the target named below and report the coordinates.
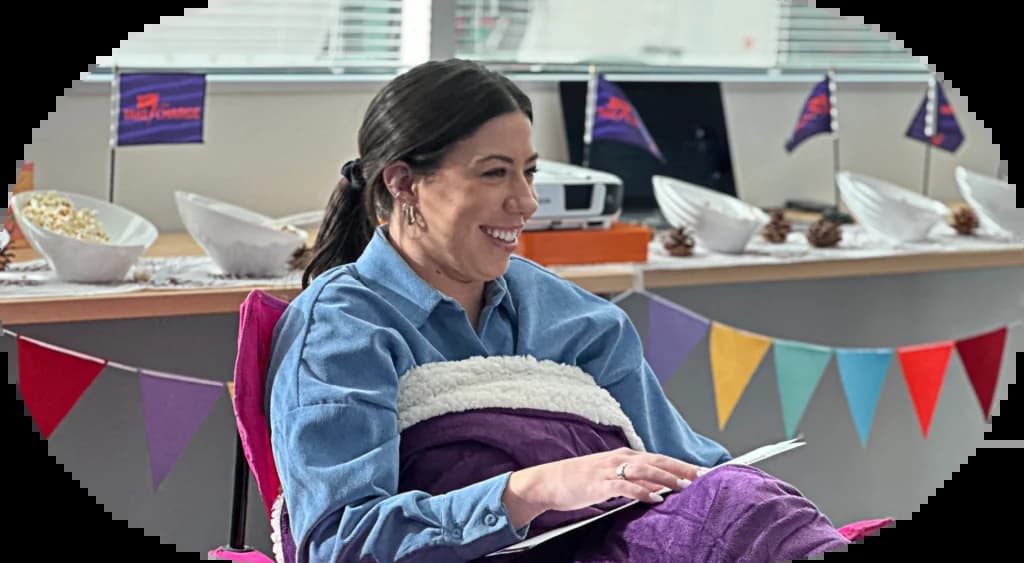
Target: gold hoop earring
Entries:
(410, 215)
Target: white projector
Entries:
(573, 197)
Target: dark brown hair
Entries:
(415, 118)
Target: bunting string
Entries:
(53, 379)
(736, 354)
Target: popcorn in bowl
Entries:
(56, 213)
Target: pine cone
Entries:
(678, 242)
(965, 221)
(6, 257)
(824, 233)
(778, 229)
(301, 258)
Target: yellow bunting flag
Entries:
(231, 390)
(735, 356)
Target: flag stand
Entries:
(927, 166)
(588, 116)
(115, 103)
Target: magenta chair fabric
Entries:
(259, 314)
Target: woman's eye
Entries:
(531, 172)
(496, 173)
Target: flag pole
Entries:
(834, 114)
(115, 103)
(588, 116)
(931, 119)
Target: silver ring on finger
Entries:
(620, 472)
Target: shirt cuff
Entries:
(484, 526)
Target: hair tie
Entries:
(353, 172)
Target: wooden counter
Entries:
(610, 279)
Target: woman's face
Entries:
(473, 209)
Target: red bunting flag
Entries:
(52, 380)
(924, 369)
(982, 356)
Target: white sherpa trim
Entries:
(524, 382)
(275, 529)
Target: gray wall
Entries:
(102, 441)
(277, 149)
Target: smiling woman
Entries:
(434, 397)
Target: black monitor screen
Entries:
(687, 122)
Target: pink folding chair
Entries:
(259, 314)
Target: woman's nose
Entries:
(522, 203)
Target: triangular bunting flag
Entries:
(982, 356)
(735, 356)
(173, 409)
(672, 334)
(798, 369)
(231, 390)
(924, 369)
(862, 373)
(52, 380)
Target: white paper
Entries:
(749, 458)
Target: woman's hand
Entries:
(591, 479)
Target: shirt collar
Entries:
(381, 266)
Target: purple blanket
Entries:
(462, 422)
(734, 513)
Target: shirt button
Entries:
(490, 520)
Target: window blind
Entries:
(813, 38)
(274, 35)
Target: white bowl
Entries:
(720, 222)
(82, 261)
(239, 241)
(994, 200)
(888, 210)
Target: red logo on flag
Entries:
(148, 108)
(816, 107)
(618, 110)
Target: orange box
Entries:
(622, 242)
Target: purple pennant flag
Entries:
(672, 332)
(615, 119)
(815, 117)
(935, 122)
(173, 409)
(160, 108)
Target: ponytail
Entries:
(346, 228)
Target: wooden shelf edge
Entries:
(610, 279)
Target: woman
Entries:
(436, 398)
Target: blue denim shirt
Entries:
(339, 351)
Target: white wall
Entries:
(278, 150)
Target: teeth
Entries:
(507, 236)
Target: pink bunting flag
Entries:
(173, 408)
(52, 380)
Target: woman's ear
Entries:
(398, 179)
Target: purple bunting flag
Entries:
(672, 333)
(173, 408)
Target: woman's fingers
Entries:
(656, 477)
(633, 490)
(680, 469)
